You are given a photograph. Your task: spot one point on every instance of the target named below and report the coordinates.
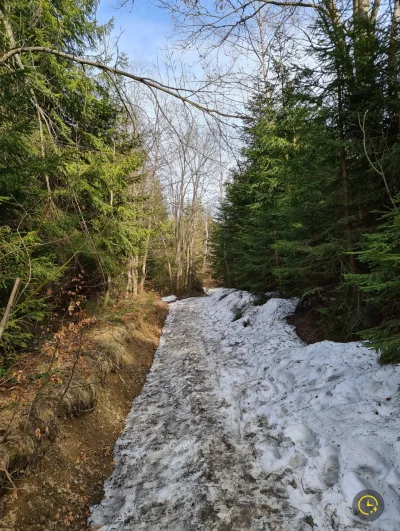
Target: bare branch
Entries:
(378, 170)
(171, 91)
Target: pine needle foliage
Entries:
(70, 166)
(312, 208)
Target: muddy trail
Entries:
(240, 426)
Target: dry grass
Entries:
(58, 427)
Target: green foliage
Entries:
(321, 157)
(71, 168)
(381, 285)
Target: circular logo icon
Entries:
(368, 505)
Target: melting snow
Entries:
(240, 426)
(170, 298)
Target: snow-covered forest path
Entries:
(242, 427)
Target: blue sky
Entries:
(144, 27)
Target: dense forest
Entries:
(105, 189)
(249, 145)
(94, 201)
(312, 208)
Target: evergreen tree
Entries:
(303, 213)
(68, 164)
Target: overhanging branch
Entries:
(151, 83)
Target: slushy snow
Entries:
(170, 298)
(240, 426)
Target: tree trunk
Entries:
(132, 284)
(135, 276)
(9, 306)
(345, 179)
(205, 249)
(143, 273)
(129, 281)
(178, 260)
(107, 296)
(393, 60)
(171, 279)
(144, 260)
(188, 280)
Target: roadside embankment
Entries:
(62, 410)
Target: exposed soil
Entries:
(306, 320)
(313, 326)
(69, 475)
